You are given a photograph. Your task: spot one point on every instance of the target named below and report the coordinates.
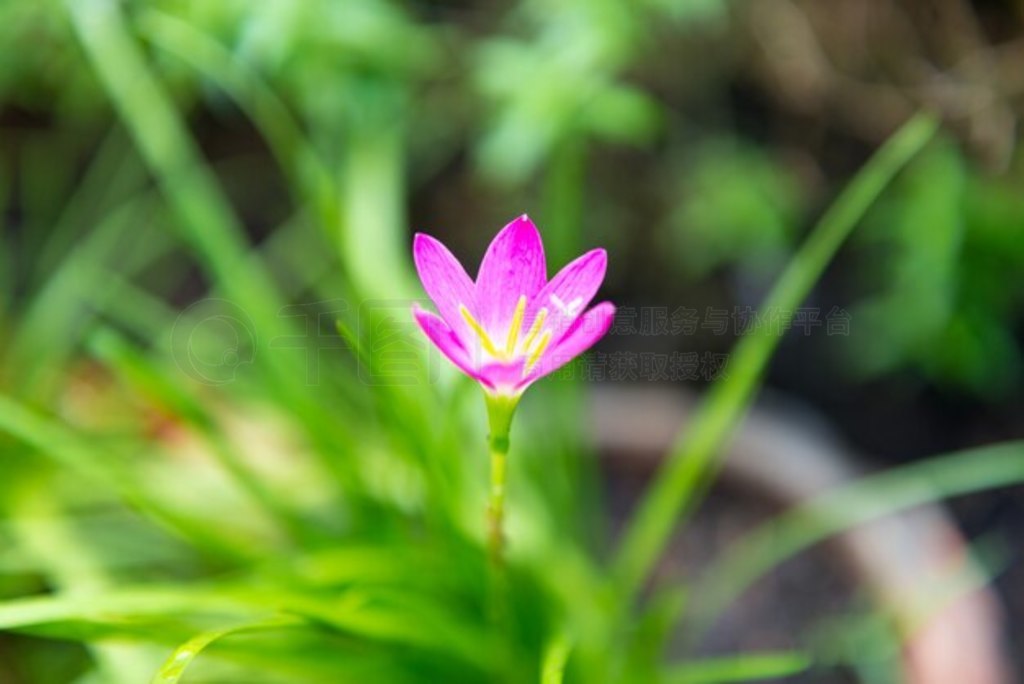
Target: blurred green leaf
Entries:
(738, 204)
(743, 668)
(173, 669)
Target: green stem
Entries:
(499, 417)
(696, 451)
(500, 410)
(496, 503)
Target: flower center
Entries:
(532, 346)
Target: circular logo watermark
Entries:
(212, 339)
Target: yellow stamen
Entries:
(517, 323)
(481, 333)
(541, 346)
(535, 328)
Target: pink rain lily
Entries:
(513, 325)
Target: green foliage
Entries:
(201, 481)
(944, 300)
(737, 205)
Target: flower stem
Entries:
(500, 410)
(499, 418)
(496, 501)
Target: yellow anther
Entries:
(535, 356)
(481, 333)
(517, 323)
(542, 316)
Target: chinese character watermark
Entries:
(214, 340)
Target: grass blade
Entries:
(694, 454)
(204, 215)
(309, 175)
(174, 667)
(865, 500)
(739, 669)
(92, 461)
(556, 655)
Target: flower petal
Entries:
(570, 291)
(445, 281)
(581, 336)
(438, 332)
(513, 266)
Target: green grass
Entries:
(280, 521)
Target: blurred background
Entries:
(197, 195)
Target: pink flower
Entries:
(513, 325)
